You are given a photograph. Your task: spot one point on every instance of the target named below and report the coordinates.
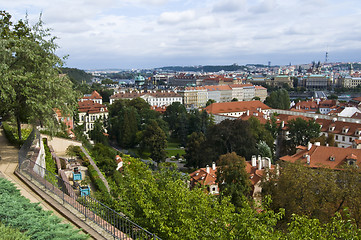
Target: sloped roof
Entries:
(91, 107)
(320, 156)
(93, 95)
(201, 176)
(226, 107)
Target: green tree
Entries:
(97, 134)
(182, 128)
(31, 86)
(234, 100)
(105, 158)
(301, 131)
(315, 193)
(264, 150)
(171, 114)
(154, 140)
(193, 150)
(209, 102)
(278, 99)
(232, 178)
(226, 137)
(260, 132)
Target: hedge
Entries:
(94, 176)
(17, 212)
(50, 164)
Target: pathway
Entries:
(8, 164)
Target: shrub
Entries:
(12, 233)
(50, 164)
(17, 211)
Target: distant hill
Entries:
(77, 76)
(214, 68)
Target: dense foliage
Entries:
(316, 193)
(31, 86)
(162, 203)
(278, 99)
(300, 132)
(17, 211)
(50, 164)
(10, 233)
(232, 178)
(77, 76)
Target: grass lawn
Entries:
(174, 152)
(173, 148)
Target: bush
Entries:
(17, 211)
(12, 136)
(50, 164)
(12, 233)
(94, 176)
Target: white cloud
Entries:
(132, 32)
(177, 17)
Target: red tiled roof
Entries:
(201, 176)
(240, 106)
(93, 95)
(326, 157)
(91, 107)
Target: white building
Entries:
(90, 109)
(154, 98)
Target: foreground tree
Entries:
(31, 86)
(315, 193)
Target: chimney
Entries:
(213, 166)
(309, 146)
(283, 124)
(259, 162)
(254, 161)
(207, 169)
(308, 159)
(247, 112)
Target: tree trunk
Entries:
(19, 127)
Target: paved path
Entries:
(8, 163)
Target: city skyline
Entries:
(156, 33)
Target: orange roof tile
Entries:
(326, 157)
(240, 106)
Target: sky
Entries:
(133, 34)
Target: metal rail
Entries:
(118, 225)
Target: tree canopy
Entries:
(31, 84)
(278, 99)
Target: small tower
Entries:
(351, 69)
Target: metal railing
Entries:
(111, 221)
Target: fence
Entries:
(112, 222)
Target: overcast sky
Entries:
(154, 33)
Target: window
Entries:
(213, 189)
(350, 139)
(336, 137)
(343, 138)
